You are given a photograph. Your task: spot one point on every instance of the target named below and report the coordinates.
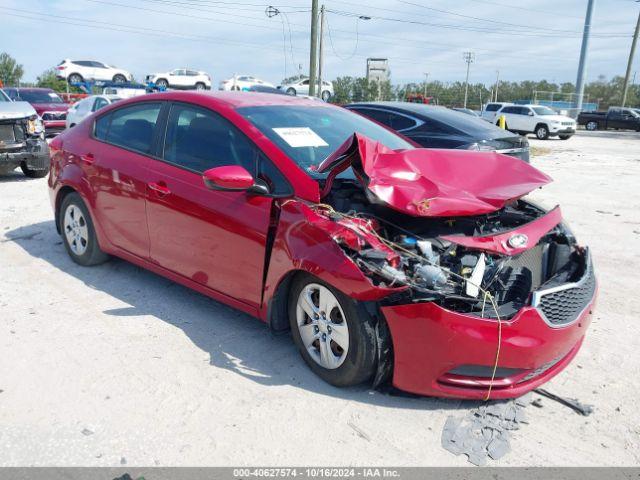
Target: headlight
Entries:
(35, 125)
(481, 147)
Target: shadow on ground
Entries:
(234, 341)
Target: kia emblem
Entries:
(519, 240)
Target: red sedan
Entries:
(423, 268)
(47, 103)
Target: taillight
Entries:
(61, 67)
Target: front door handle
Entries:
(160, 188)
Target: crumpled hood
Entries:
(434, 183)
(15, 110)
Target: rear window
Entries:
(492, 107)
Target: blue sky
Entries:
(523, 39)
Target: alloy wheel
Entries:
(75, 230)
(541, 133)
(322, 326)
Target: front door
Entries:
(215, 238)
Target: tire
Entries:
(542, 132)
(75, 78)
(162, 83)
(28, 172)
(200, 86)
(326, 96)
(335, 365)
(564, 137)
(591, 126)
(79, 238)
(291, 91)
(119, 78)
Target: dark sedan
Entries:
(439, 127)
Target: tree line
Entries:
(605, 92)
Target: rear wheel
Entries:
(119, 78)
(78, 233)
(291, 91)
(335, 337)
(542, 133)
(591, 126)
(75, 78)
(326, 95)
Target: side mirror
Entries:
(232, 178)
(530, 114)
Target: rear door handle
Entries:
(160, 188)
(88, 158)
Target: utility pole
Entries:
(625, 88)
(468, 57)
(313, 49)
(320, 54)
(426, 79)
(497, 82)
(582, 66)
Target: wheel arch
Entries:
(62, 193)
(541, 124)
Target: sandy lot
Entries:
(114, 365)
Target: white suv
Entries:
(182, 78)
(75, 71)
(538, 119)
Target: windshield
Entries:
(3, 97)
(309, 135)
(40, 96)
(543, 111)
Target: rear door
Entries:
(215, 238)
(117, 162)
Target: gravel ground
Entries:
(114, 365)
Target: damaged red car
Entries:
(424, 269)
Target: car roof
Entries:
(235, 99)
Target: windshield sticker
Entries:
(300, 137)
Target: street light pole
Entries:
(497, 82)
(583, 55)
(320, 54)
(313, 49)
(426, 79)
(468, 57)
(625, 88)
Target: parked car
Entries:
(242, 82)
(76, 71)
(181, 78)
(439, 127)
(22, 142)
(50, 107)
(85, 107)
(490, 109)
(543, 121)
(616, 117)
(387, 262)
(468, 111)
(301, 87)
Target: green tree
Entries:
(47, 79)
(10, 71)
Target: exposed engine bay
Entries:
(399, 250)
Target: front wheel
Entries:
(119, 78)
(162, 83)
(200, 86)
(326, 95)
(291, 91)
(335, 337)
(542, 133)
(31, 173)
(591, 126)
(78, 233)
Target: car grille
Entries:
(563, 305)
(54, 116)
(7, 134)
